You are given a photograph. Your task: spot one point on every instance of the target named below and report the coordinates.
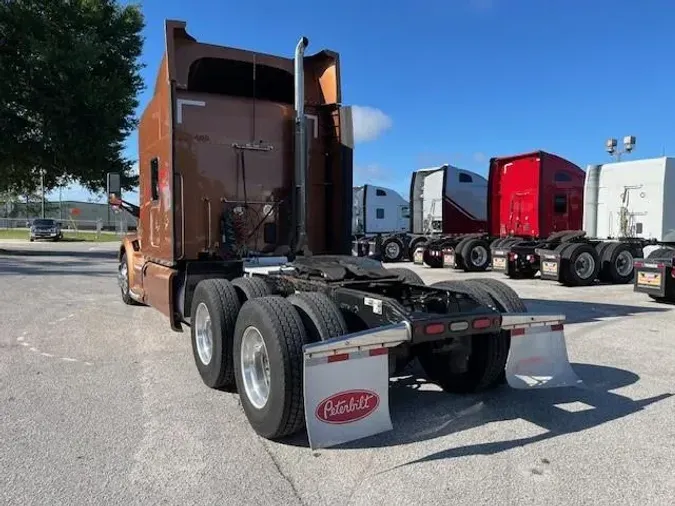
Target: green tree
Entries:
(68, 92)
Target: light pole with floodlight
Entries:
(628, 146)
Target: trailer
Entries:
(530, 195)
(445, 201)
(279, 312)
(625, 211)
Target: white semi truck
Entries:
(445, 201)
(378, 210)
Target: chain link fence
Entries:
(119, 225)
(72, 215)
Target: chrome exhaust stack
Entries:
(300, 148)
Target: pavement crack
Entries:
(287, 478)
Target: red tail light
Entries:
(482, 323)
(434, 328)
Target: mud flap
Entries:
(500, 261)
(550, 265)
(418, 256)
(449, 258)
(538, 354)
(346, 386)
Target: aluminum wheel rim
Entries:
(255, 367)
(123, 278)
(584, 265)
(392, 250)
(204, 333)
(478, 256)
(624, 263)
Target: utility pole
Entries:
(42, 187)
(628, 146)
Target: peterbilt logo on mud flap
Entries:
(347, 407)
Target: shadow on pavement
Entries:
(40, 252)
(579, 311)
(20, 266)
(419, 415)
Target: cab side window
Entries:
(560, 204)
(154, 178)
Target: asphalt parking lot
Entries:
(100, 403)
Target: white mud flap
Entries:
(538, 354)
(346, 386)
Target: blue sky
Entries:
(458, 81)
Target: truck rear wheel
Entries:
(475, 255)
(617, 263)
(455, 371)
(583, 264)
(506, 298)
(215, 306)
(392, 250)
(459, 253)
(250, 288)
(319, 314)
(268, 341)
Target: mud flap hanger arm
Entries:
(392, 335)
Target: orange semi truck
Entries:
(244, 236)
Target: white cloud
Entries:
(369, 173)
(134, 169)
(480, 157)
(369, 123)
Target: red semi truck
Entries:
(530, 195)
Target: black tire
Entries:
(600, 250)
(459, 248)
(320, 315)
(123, 281)
(412, 246)
(408, 275)
(222, 303)
(397, 246)
(616, 253)
(251, 288)
(571, 255)
(661, 253)
(507, 301)
(505, 297)
(466, 254)
(284, 335)
(475, 292)
(487, 361)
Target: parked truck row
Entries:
(234, 148)
(545, 214)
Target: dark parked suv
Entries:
(45, 229)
